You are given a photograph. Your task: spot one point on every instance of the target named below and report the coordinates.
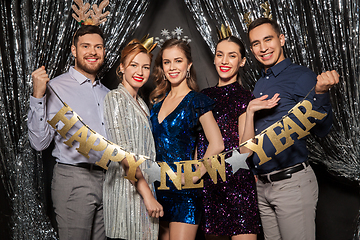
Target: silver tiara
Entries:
(166, 35)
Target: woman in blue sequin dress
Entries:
(229, 208)
(176, 116)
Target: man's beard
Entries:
(88, 69)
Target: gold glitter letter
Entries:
(60, 116)
(258, 148)
(215, 167)
(80, 136)
(89, 144)
(303, 117)
(133, 164)
(112, 152)
(189, 174)
(176, 178)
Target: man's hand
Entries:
(39, 78)
(325, 81)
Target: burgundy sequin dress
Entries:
(229, 208)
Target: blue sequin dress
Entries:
(175, 139)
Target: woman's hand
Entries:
(153, 207)
(263, 103)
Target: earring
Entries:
(165, 77)
(188, 74)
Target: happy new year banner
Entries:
(214, 165)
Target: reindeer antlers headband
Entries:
(267, 13)
(82, 13)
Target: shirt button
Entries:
(98, 104)
(261, 93)
(267, 77)
(40, 102)
(102, 123)
(41, 119)
(314, 98)
(255, 129)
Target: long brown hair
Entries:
(134, 47)
(163, 85)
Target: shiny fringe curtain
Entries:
(322, 35)
(323, 38)
(36, 33)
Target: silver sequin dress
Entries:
(128, 126)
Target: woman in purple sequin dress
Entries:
(229, 208)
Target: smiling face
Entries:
(227, 61)
(266, 45)
(89, 54)
(135, 73)
(175, 65)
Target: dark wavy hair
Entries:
(133, 48)
(163, 86)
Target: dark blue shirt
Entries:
(293, 83)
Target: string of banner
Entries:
(214, 165)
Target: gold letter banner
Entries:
(302, 111)
(214, 165)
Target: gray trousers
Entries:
(287, 207)
(77, 200)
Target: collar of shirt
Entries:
(277, 69)
(80, 78)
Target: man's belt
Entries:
(284, 174)
(88, 166)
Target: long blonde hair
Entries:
(163, 85)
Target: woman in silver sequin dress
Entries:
(130, 208)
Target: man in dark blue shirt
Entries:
(287, 186)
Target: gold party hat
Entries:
(148, 43)
(224, 32)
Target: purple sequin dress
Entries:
(229, 208)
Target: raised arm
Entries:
(325, 81)
(246, 120)
(321, 102)
(40, 78)
(40, 132)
